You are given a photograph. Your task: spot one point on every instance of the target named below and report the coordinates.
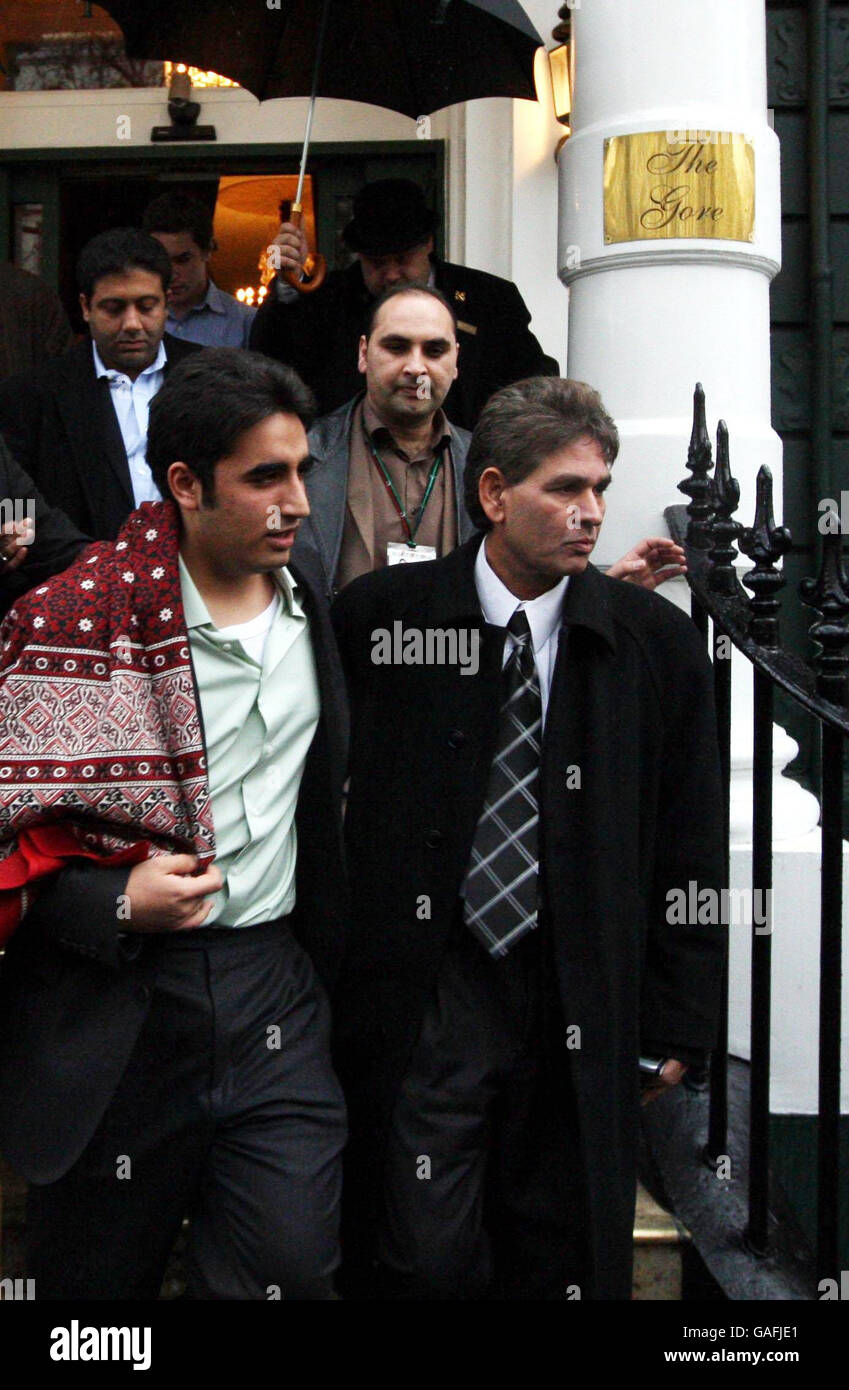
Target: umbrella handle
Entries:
(314, 268)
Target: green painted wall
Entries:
(793, 1147)
(792, 397)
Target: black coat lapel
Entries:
(113, 440)
(85, 405)
(331, 682)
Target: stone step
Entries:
(659, 1243)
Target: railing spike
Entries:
(699, 487)
(765, 543)
(829, 595)
(724, 530)
(698, 434)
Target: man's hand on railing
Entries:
(669, 1077)
(650, 562)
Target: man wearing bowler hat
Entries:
(392, 234)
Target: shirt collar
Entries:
(499, 604)
(197, 613)
(157, 365)
(374, 426)
(214, 299)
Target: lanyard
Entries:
(390, 487)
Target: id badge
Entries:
(399, 553)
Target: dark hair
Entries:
(180, 212)
(208, 401)
(116, 252)
(523, 424)
(408, 287)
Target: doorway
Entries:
(63, 201)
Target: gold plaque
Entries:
(660, 184)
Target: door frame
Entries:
(42, 172)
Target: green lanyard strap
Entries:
(390, 488)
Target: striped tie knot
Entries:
(519, 627)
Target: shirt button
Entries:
(226, 646)
(433, 839)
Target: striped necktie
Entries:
(501, 887)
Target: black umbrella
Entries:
(412, 56)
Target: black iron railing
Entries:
(710, 534)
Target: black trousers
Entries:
(228, 1112)
(483, 1194)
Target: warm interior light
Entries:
(250, 296)
(558, 61)
(197, 76)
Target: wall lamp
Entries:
(559, 63)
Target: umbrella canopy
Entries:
(413, 56)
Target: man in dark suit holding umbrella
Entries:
(391, 233)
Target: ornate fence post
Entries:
(700, 487)
(724, 530)
(765, 543)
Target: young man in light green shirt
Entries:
(188, 1035)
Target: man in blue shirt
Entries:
(198, 311)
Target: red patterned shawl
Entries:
(101, 746)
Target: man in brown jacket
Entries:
(33, 324)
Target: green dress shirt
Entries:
(259, 722)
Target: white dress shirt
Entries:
(131, 400)
(543, 616)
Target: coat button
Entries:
(143, 993)
(456, 739)
(433, 839)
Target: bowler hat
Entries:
(389, 215)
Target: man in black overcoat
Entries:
(511, 955)
(391, 234)
(36, 540)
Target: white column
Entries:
(647, 319)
